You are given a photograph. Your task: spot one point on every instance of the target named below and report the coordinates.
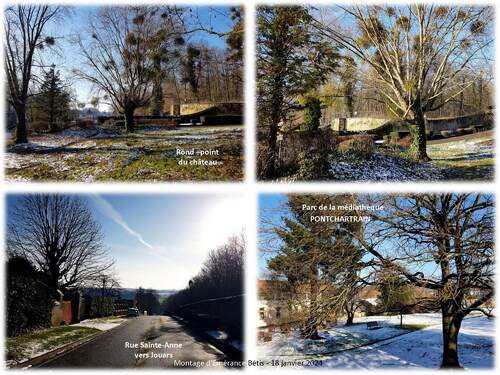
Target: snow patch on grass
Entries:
(380, 167)
(417, 349)
(102, 324)
(25, 347)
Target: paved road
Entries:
(116, 349)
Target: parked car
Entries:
(132, 311)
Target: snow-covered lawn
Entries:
(102, 324)
(465, 158)
(389, 346)
(148, 154)
(381, 167)
(22, 348)
(479, 147)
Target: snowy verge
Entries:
(102, 324)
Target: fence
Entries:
(216, 313)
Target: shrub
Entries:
(358, 144)
(29, 302)
(84, 123)
(312, 166)
(323, 141)
(312, 114)
(405, 141)
(394, 136)
(108, 123)
(39, 126)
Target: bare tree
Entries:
(106, 284)
(442, 243)
(414, 54)
(24, 28)
(58, 234)
(127, 45)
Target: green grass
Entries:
(139, 157)
(32, 344)
(459, 162)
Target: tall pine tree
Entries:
(51, 105)
(317, 257)
(291, 60)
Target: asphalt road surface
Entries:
(176, 346)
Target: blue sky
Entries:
(75, 21)
(268, 204)
(160, 241)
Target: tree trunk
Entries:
(350, 318)
(21, 130)
(419, 140)
(129, 119)
(312, 324)
(276, 108)
(451, 328)
(269, 165)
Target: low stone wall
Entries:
(230, 108)
(434, 125)
(453, 123)
(356, 124)
(189, 108)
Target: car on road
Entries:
(132, 311)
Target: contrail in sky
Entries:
(107, 209)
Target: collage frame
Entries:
(250, 188)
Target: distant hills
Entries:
(129, 293)
(92, 112)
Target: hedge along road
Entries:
(146, 342)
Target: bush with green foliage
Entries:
(358, 144)
(312, 114)
(312, 166)
(29, 303)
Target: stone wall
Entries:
(436, 125)
(189, 108)
(356, 124)
(454, 123)
(233, 108)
